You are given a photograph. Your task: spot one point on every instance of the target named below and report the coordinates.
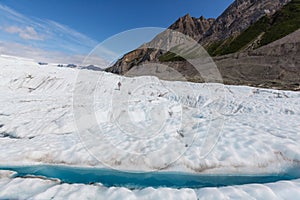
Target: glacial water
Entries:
(109, 177)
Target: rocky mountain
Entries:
(243, 27)
(193, 27)
(239, 16)
(267, 29)
(276, 65)
(190, 26)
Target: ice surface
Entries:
(260, 130)
(198, 128)
(7, 174)
(36, 188)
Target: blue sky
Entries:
(77, 26)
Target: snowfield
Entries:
(147, 125)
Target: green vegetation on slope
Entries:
(170, 56)
(182, 52)
(241, 40)
(282, 23)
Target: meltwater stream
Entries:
(109, 177)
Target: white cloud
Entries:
(45, 34)
(40, 55)
(27, 33)
(46, 40)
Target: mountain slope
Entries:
(266, 30)
(239, 16)
(275, 65)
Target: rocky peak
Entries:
(191, 26)
(187, 16)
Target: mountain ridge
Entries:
(214, 34)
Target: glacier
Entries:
(201, 128)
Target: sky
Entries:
(75, 27)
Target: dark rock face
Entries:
(130, 60)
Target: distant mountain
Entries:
(88, 67)
(244, 26)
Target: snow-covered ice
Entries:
(147, 125)
(37, 188)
